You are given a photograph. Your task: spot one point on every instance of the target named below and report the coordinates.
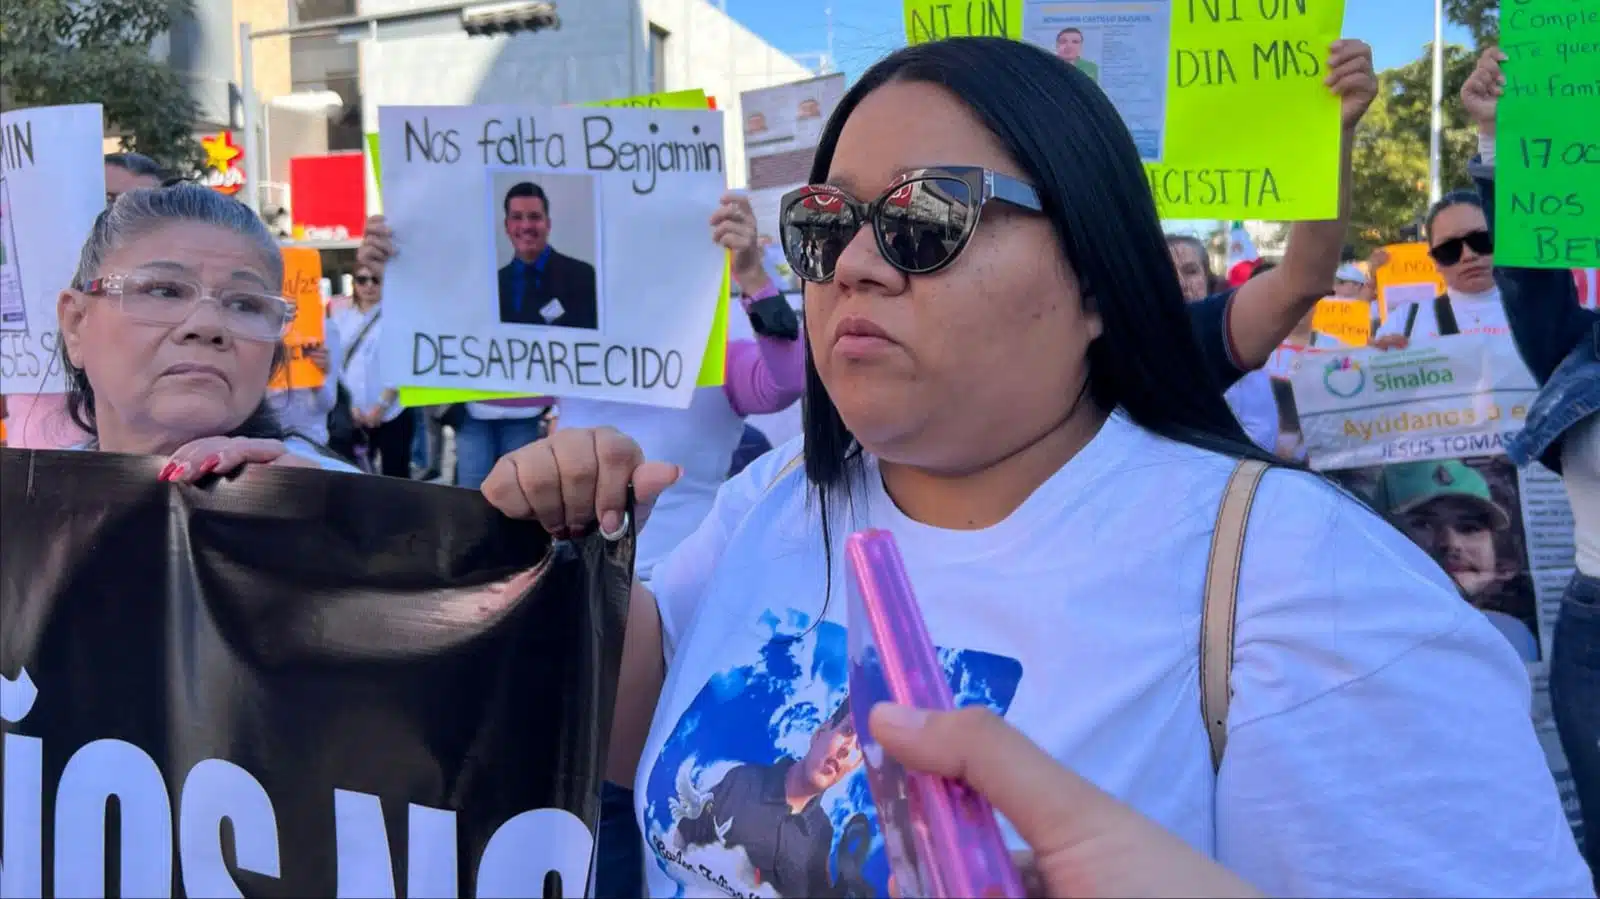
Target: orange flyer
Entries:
(302, 284)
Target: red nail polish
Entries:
(166, 472)
(210, 464)
(178, 472)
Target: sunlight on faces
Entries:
(1474, 273)
(987, 354)
(127, 360)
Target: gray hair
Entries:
(138, 212)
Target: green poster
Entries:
(1547, 137)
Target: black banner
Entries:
(295, 683)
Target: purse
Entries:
(344, 436)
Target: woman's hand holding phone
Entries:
(1085, 843)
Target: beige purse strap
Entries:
(1221, 602)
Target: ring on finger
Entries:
(621, 531)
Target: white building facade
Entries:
(604, 49)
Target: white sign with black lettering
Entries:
(52, 185)
(560, 251)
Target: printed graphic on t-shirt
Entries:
(760, 791)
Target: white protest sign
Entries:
(561, 251)
(1457, 396)
(52, 185)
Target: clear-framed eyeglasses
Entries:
(164, 300)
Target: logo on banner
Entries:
(222, 172)
(1344, 377)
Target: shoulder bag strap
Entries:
(1445, 315)
(1411, 318)
(361, 335)
(1221, 601)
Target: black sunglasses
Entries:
(1448, 252)
(364, 280)
(921, 224)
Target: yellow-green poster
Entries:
(1224, 98)
(1547, 160)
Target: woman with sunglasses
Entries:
(1462, 247)
(1560, 342)
(171, 330)
(968, 240)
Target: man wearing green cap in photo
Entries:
(1446, 508)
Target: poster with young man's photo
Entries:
(1467, 515)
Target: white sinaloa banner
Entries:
(52, 185)
(1419, 435)
(561, 251)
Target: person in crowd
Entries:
(171, 330)
(1251, 399)
(1058, 531)
(1193, 263)
(40, 420)
(304, 409)
(1349, 282)
(1560, 342)
(1462, 247)
(375, 406)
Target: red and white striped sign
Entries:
(1588, 287)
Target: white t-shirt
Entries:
(701, 439)
(362, 373)
(1253, 403)
(1380, 740)
(1476, 313)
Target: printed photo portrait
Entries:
(547, 248)
(761, 788)
(1467, 515)
(1069, 48)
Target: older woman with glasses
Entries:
(171, 330)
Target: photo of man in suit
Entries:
(540, 286)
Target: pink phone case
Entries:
(941, 838)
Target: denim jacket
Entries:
(1558, 339)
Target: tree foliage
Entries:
(1390, 190)
(59, 52)
(1480, 17)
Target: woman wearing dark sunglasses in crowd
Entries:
(966, 240)
(1462, 247)
(1560, 342)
